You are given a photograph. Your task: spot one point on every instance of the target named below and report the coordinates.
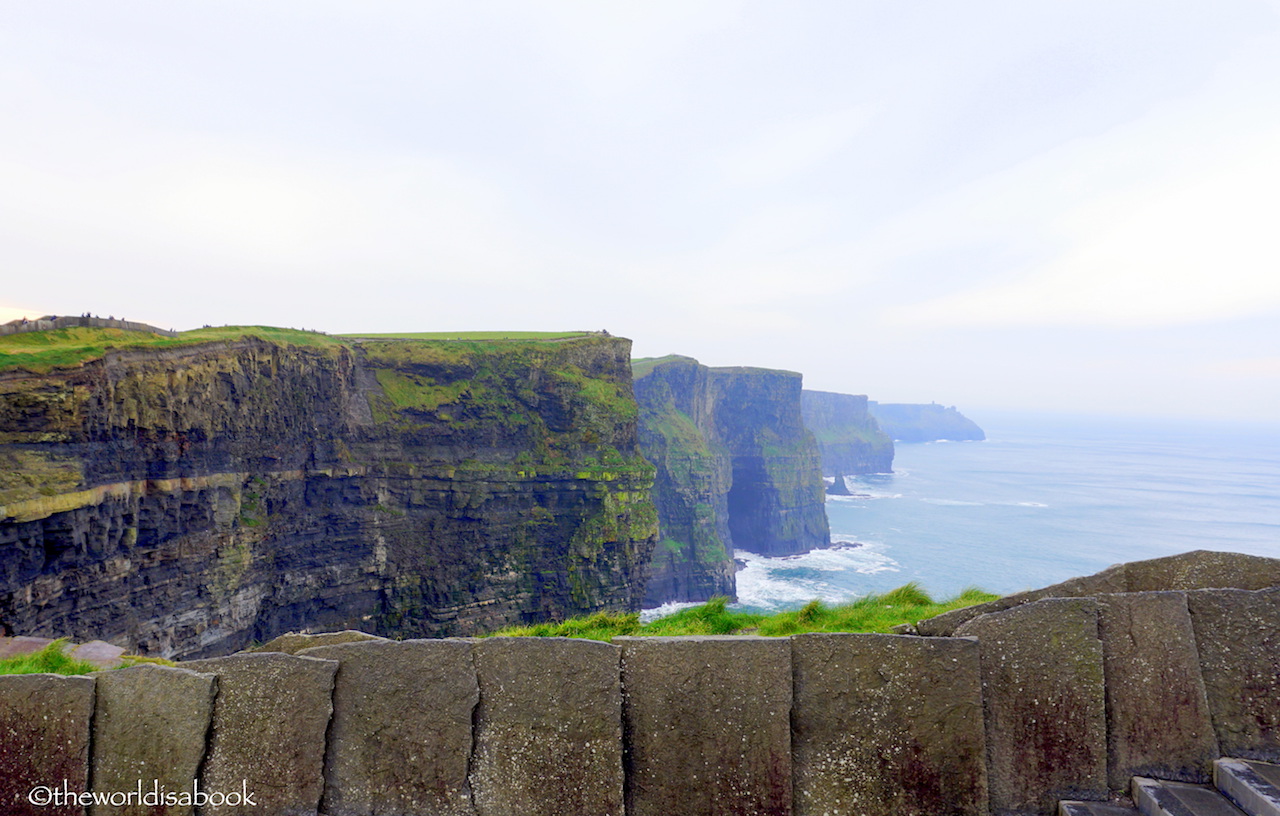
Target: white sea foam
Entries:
(777, 583)
(952, 503)
(668, 608)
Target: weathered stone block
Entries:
(1238, 637)
(548, 728)
(884, 725)
(1198, 569)
(150, 725)
(44, 741)
(401, 735)
(1157, 715)
(1042, 681)
(268, 734)
(707, 724)
(1203, 569)
(294, 642)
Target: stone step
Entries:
(1095, 809)
(1156, 797)
(1254, 786)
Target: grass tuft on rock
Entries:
(874, 613)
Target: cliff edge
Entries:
(849, 438)
(908, 422)
(736, 469)
(188, 496)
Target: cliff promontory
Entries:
(908, 422)
(737, 469)
(849, 439)
(187, 496)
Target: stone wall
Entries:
(1052, 698)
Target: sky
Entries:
(1059, 206)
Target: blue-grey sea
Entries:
(1042, 500)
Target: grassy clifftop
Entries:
(42, 351)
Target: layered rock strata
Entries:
(737, 469)
(188, 500)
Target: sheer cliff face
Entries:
(848, 437)
(188, 501)
(736, 469)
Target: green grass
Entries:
(52, 660)
(875, 613)
(41, 352)
(475, 335)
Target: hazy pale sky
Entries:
(1067, 205)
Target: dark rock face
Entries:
(187, 501)
(44, 740)
(737, 469)
(908, 422)
(884, 725)
(1043, 690)
(268, 734)
(149, 724)
(550, 718)
(401, 735)
(1157, 713)
(708, 726)
(849, 438)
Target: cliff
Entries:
(906, 422)
(189, 496)
(849, 439)
(736, 469)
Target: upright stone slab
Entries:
(1238, 636)
(707, 723)
(268, 734)
(44, 742)
(548, 729)
(1042, 682)
(1157, 715)
(884, 725)
(150, 724)
(401, 736)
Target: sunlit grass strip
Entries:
(875, 613)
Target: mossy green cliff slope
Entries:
(736, 470)
(188, 497)
(849, 439)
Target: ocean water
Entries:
(1042, 500)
